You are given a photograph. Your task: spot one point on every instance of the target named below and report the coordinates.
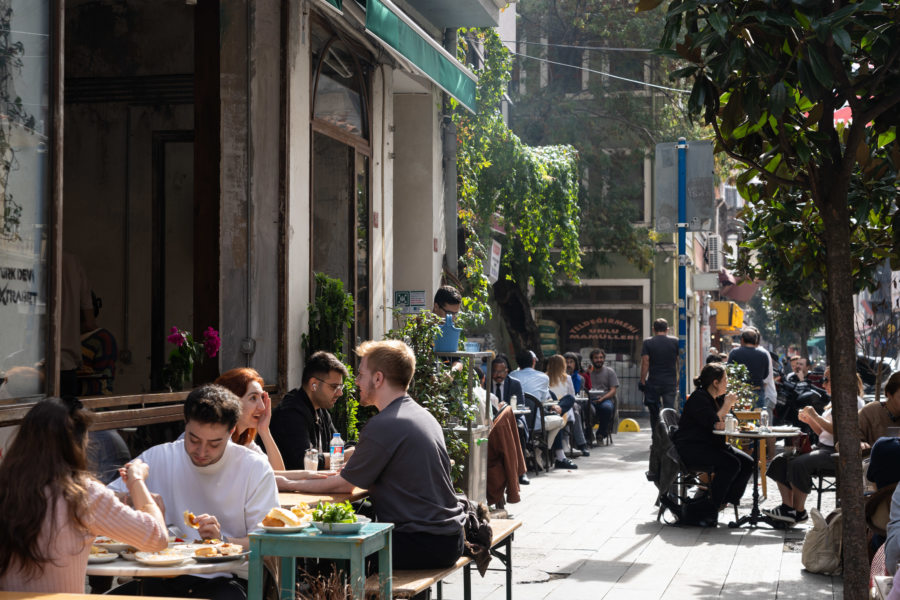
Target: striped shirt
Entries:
(67, 546)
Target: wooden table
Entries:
(756, 515)
(310, 543)
(288, 499)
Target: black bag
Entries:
(699, 512)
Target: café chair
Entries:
(537, 451)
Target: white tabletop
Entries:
(130, 568)
(756, 434)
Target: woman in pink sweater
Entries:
(51, 508)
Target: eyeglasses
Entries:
(335, 387)
(449, 312)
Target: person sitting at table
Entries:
(538, 385)
(604, 383)
(696, 443)
(573, 363)
(229, 488)
(504, 388)
(53, 508)
(402, 461)
(302, 421)
(562, 387)
(256, 415)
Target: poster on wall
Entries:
(24, 194)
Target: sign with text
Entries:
(409, 301)
(494, 267)
(700, 183)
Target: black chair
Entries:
(605, 437)
(825, 480)
(536, 441)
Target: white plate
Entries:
(188, 549)
(102, 558)
(342, 528)
(784, 429)
(159, 560)
(221, 558)
(110, 544)
(270, 529)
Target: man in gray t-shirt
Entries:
(659, 370)
(402, 461)
(604, 383)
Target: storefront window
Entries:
(24, 194)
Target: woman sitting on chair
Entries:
(697, 445)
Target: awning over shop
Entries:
(335, 3)
(729, 316)
(389, 24)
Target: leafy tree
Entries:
(768, 78)
(532, 190)
(613, 123)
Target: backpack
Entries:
(822, 544)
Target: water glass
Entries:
(311, 460)
(764, 420)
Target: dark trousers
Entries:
(654, 395)
(603, 412)
(732, 469)
(186, 586)
(425, 550)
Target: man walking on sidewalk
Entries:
(659, 370)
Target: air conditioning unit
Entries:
(714, 253)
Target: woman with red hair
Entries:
(256, 414)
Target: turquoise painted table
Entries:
(309, 543)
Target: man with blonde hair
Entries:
(403, 462)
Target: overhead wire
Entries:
(619, 77)
(597, 48)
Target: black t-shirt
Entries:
(663, 353)
(402, 460)
(698, 419)
(296, 427)
(756, 361)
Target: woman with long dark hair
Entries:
(698, 446)
(53, 508)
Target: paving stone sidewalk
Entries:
(592, 533)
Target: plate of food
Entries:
(784, 429)
(101, 555)
(163, 558)
(221, 553)
(110, 544)
(342, 528)
(281, 520)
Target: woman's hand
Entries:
(136, 470)
(807, 414)
(266, 417)
(730, 399)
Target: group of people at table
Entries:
(53, 507)
(793, 470)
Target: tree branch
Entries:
(754, 164)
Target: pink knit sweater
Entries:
(70, 546)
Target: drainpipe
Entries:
(448, 147)
(248, 344)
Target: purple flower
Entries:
(176, 337)
(211, 342)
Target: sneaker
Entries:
(801, 516)
(584, 450)
(782, 513)
(565, 463)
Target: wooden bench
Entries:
(408, 583)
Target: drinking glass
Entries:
(311, 460)
(764, 420)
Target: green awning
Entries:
(389, 24)
(336, 3)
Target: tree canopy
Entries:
(769, 76)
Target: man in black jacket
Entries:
(301, 421)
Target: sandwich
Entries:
(279, 517)
(207, 551)
(190, 519)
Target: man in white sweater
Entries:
(228, 487)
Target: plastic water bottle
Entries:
(337, 452)
(513, 402)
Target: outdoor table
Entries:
(745, 416)
(310, 543)
(756, 515)
(130, 568)
(288, 499)
(522, 411)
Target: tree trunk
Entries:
(841, 348)
(803, 333)
(515, 308)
